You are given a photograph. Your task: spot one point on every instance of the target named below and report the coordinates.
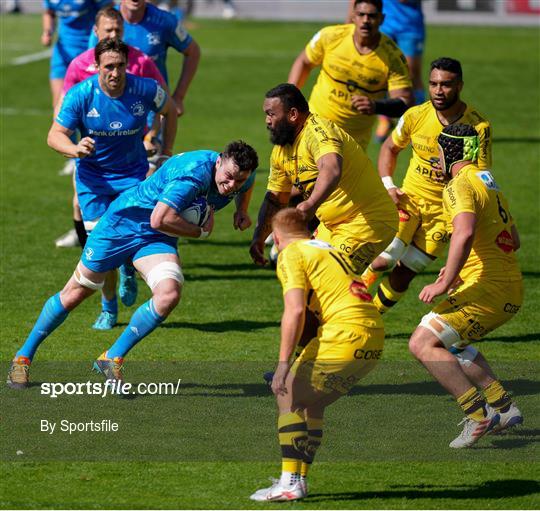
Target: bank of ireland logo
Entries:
(89, 253)
(138, 109)
(115, 125)
(153, 38)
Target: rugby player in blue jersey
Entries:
(75, 21)
(109, 109)
(153, 31)
(143, 224)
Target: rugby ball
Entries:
(197, 212)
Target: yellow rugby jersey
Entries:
(420, 127)
(334, 292)
(360, 190)
(492, 256)
(344, 73)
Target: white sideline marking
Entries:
(24, 111)
(32, 57)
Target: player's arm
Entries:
(515, 237)
(58, 139)
(272, 203)
(168, 112)
(166, 220)
(241, 219)
(48, 22)
(292, 325)
(460, 247)
(192, 55)
(388, 156)
(300, 70)
(395, 105)
(330, 166)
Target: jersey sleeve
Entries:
(155, 95)
(484, 145)
(315, 48)
(459, 197)
(70, 113)
(278, 181)
(290, 269)
(401, 135)
(177, 35)
(180, 193)
(398, 71)
(322, 139)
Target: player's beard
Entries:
(451, 101)
(283, 133)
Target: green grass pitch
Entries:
(213, 444)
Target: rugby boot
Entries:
(509, 419)
(18, 373)
(474, 430)
(105, 321)
(112, 369)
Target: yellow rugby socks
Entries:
(315, 433)
(473, 404)
(293, 438)
(386, 297)
(497, 397)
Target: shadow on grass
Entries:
(235, 325)
(225, 276)
(502, 489)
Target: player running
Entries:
(346, 348)
(143, 224)
(110, 110)
(485, 289)
(359, 68)
(334, 175)
(422, 235)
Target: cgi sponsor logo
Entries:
(403, 215)
(505, 241)
(511, 308)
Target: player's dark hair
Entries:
(459, 142)
(377, 3)
(290, 96)
(448, 64)
(109, 13)
(113, 45)
(242, 154)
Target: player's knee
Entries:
(415, 260)
(443, 333)
(166, 298)
(392, 253)
(85, 284)
(165, 280)
(417, 344)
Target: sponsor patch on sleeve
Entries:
(487, 178)
(159, 98)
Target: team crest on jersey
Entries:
(89, 253)
(181, 32)
(93, 113)
(153, 38)
(488, 180)
(115, 125)
(505, 241)
(138, 109)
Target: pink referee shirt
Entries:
(83, 66)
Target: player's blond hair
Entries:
(291, 221)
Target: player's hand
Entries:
(256, 251)
(152, 146)
(280, 375)
(307, 209)
(431, 291)
(85, 147)
(208, 226)
(457, 281)
(396, 194)
(241, 220)
(179, 105)
(46, 38)
(363, 104)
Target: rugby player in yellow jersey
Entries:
(485, 289)
(337, 180)
(422, 235)
(347, 346)
(360, 67)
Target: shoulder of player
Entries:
(474, 117)
(333, 33)
(417, 113)
(160, 17)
